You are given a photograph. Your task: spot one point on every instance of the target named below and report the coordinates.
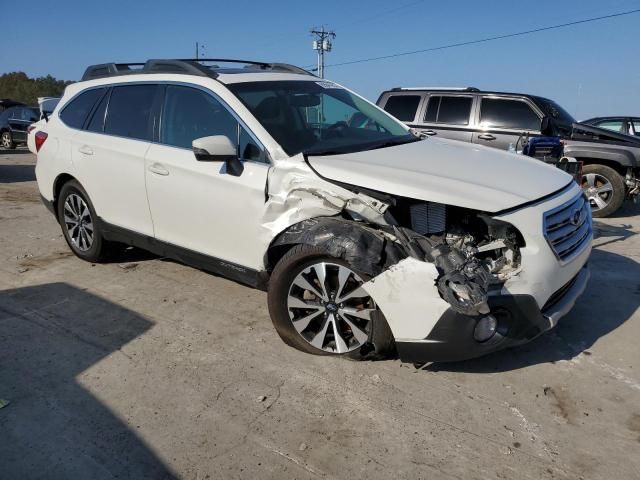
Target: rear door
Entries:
(109, 154)
(447, 116)
(505, 120)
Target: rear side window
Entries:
(513, 114)
(75, 113)
(403, 107)
(450, 110)
(189, 113)
(129, 111)
(636, 126)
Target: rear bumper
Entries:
(520, 320)
(49, 205)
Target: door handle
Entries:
(85, 149)
(158, 169)
(429, 132)
(486, 136)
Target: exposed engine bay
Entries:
(472, 252)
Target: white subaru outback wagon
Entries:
(369, 239)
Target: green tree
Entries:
(18, 86)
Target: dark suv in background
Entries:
(14, 122)
(502, 120)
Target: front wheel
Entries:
(604, 187)
(317, 305)
(6, 140)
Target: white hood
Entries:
(448, 172)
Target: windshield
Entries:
(319, 118)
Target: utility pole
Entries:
(321, 44)
(198, 48)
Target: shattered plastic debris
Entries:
(128, 266)
(4, 403)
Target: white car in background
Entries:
(369, 239)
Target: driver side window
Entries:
(190, 113)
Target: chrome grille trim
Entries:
(566, 237)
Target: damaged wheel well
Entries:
(364, 247)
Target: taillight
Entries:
(40, 138)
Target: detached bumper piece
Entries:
(518, 320)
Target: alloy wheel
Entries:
(329, 308)
(6, 140)
(598, 190)
(78, 221)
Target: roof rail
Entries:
(186, 66)
(444, 89)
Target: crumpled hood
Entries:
(448, 172)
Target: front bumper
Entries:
(520, 321)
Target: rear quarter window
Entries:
(75, 113)
(403, 107)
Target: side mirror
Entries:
(547, 127)
(218, 148)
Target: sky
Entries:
(591, 69)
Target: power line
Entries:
(488, 39)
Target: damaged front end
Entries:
(436, 271)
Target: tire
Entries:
(363, 336)
(6, 140)
(605, 189)
(85, 239)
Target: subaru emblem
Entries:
(576, 217)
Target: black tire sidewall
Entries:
(298, 258)
(94, 253)
(617, 183)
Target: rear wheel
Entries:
(604, 187)
(317, 305)
(78, 220)
(6, 140)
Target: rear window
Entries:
(513, 114)
(75, 113)
(403, 107)
(450, 110)
(129, 111)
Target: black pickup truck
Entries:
(611, 160)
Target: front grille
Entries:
(568, 228)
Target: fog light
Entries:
(485, 328)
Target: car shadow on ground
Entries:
(629, 209)
(53, 426)
(17, 173)
(614, 296)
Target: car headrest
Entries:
(268, 109)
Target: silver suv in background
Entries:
(500, 120)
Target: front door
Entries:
(195, 204)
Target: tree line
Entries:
(18, 86)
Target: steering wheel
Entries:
(337, 128)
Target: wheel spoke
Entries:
(358, 292)
(302, 282)
(341, 345)
(605, 188)
(360, 335)
(364, 313)
(318, 340)
(299, 303)
(591, 179)
(343, 276)
(302, 323)
(321, 272)
(599, 202)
